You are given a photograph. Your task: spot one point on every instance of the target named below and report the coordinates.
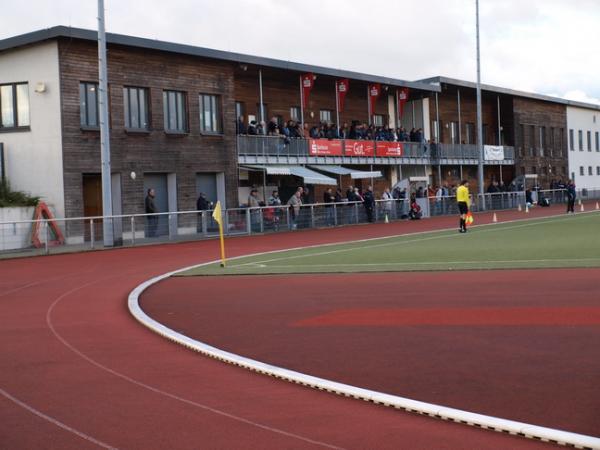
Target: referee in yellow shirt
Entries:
(464, 201)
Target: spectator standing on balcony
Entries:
(369, 202)
(343, 132)
(241, 127)
(150, 208)
(262, 126)
(273, 127)
(295, 202)
(571, 196)
(413, 135)
(252, 128)
(338, 196)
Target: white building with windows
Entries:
(584, 146)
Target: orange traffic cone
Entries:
(582, 208)
(495, 219)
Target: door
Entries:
(207, 183)
(158, 182)
(92, 203)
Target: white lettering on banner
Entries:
(493, 153)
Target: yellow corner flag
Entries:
(218, 216)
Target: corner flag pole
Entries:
(218, 216)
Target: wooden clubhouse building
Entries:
(174, 110)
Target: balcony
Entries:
(277, 150)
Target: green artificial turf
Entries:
(564, 241)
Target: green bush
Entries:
(10, 198)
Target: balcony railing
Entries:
(274, 146)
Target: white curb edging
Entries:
(441, 412)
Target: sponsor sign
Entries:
(493, 153)
(325, 147)
(359, 148)
(389, 149)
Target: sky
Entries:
(544, 46)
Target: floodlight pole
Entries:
(107, 225)
(479, 120)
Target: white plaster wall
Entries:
(34, 158)
(585, 120)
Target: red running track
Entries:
(527, 349)
(78, 372)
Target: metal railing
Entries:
(250, 145)
(85, 233)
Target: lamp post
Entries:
(107, 225)
(479, 121)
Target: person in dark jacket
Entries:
(202, 204)
(150, 208)
(369, 202)
(241, 127)
(571, 196)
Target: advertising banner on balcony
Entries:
(325, 147)
(389, 149)
(342, 89)
(307, 82)
(374, 91)
(493, 153)
(402, 94)
(360, 148)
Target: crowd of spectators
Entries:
(326, 130)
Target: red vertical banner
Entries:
(374, 91)
(402, 94)
(342, 89)
(308, 81)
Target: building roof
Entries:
(438, 81)
(120, 39)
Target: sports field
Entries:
(553, 242)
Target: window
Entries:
(378, 120)
(14, 105)
(552, 143)
(88, 105)
(531, 140)
(470, 137)
(571, 140)
(174, 109)
(590, 171)
(597, 141)
(240, 110)
(295, 113)
(597, 170)
(581, 170)
(135, 101)
(589, 141)
(533, 169)
(572, 175)
(580, 135)
(210, 114)
(325, 115)
(561, 142)
(542, 140)
(454, 132)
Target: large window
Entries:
(590, 170)
(295, 114)
(174, 109)
(597, 170)
(571, 140)
(581, 170)
(454, 132)
(597, 141)
(580, 136)
(325, 115)
(88, 105)
(210, 113)
(542, 140)
(470, 137)
(135, 101)
(589, 141)
(14, 105)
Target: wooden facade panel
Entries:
(154, 151)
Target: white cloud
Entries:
(532, 45)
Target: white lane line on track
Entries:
(55, 422)
(432, 263)
(411, 241)
(159, 391)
